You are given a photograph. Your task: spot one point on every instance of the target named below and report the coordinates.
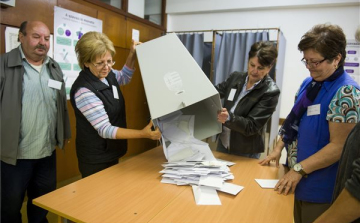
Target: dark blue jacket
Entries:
(313, 135)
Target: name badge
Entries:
(313, 110)
(54, 84)
(116, 95)
(232, 94)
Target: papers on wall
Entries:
(11, 38)
(191, 162)
(69, 27)
(352, 62)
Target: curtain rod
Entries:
(223, 30)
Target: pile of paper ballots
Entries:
(191, 162)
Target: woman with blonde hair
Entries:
(101, 133)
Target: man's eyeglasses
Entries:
(102, 64)
(312, 64)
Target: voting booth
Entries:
(174, 82)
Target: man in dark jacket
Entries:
(34, 120)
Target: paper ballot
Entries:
(231, 188)
(267, 183)
(205, 195)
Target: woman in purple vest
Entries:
(326, 110)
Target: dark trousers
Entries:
(307, 212)
(87, 169)
(34, 176)
(220, 148)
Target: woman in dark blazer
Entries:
(250, 98)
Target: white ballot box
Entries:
(174, 82)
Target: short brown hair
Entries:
(22, 29)
(92, 45)
(266, 53)
(326, 39)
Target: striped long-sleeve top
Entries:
(93, 108)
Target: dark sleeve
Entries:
(353, 184)
(223, 88)
(2, 75)
(258, 115)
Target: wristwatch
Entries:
(299, 169)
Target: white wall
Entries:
(195, 6)
(294, 18)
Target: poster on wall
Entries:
(352, 60)
(11, 38)
(69, 27)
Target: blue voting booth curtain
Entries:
(231, 52)
(194, 42)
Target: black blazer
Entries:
(251, 114)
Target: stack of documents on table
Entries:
(191, 162)
(205, 177)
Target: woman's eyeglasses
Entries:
(312, 64)
(102, 64)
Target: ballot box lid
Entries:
(173, 81)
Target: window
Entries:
(153, 11)
(115, 3)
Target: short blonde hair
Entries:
(92, 45)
